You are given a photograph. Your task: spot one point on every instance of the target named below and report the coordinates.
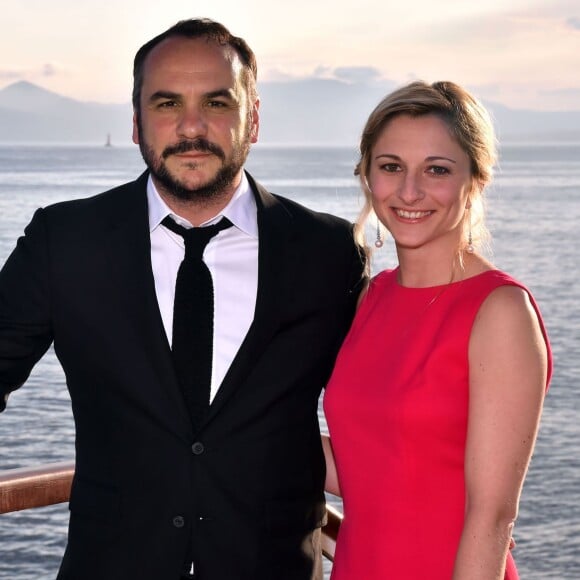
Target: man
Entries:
(168, 487)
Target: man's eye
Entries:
(166, 104)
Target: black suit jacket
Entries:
(244, 494)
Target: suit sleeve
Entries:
(356, 281)
(25, 319)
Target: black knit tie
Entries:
(192, 342)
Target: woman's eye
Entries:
(438, 170)
(390, 167)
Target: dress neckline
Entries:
(395, 272)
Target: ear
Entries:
(135, 129)
(255, 121)
(477, 187)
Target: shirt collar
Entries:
(241, 209)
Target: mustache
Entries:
(200, 144)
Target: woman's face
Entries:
(420, 179)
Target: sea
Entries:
(534, 217)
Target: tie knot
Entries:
(196, 239)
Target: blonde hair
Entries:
(468, 122)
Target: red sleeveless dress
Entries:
(396, 408)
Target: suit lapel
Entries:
(129, 255)
(275, 240)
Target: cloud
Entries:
(573, 23)
(322, 72)
(357, 74)
(11, 75)
(31, 74)
(573, 92)
(348, 74)
(486, 90)
(345, 74)
(273, 75)
(49, 70)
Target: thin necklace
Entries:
(441, 290)
(438, 294)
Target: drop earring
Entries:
(379, 240)
(470, 248)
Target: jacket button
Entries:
(179, 521)
(197, 448)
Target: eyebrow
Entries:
(163, 95)
(430, 158)
(438, 157)
(225, 93)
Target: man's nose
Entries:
(192, 123)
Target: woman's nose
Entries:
(410, 190)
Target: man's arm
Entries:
(25, 329)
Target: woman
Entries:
(435, 400)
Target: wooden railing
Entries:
(330, 532)
(33, 487)
(27, 488)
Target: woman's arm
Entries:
(331, 485)
(507, 380)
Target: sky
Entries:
(521, 53)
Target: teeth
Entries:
(411, 215)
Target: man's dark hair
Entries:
(197, 28)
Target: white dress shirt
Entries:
(232, 259)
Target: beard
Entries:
(216, 186)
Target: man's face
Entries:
(196, 122)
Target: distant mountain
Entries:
(333, 111)
(24, 96)
(29, 113)
(521, 124)
(317, 110)
(312, 111)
